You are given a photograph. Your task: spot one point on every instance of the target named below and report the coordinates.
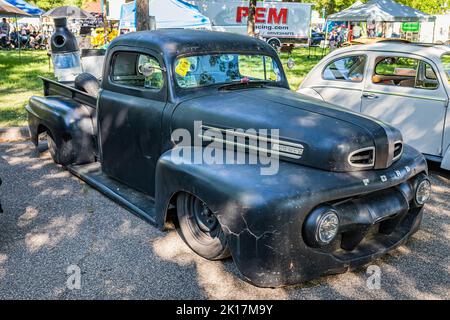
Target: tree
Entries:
(47, 4)
(142, 15)
(428, 6)
(50, 4)
(251, 17)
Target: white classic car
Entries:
(405, 85)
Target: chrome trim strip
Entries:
(337, 87)
(250, 147)
(404, 95)
(362, 165)
(248, 135)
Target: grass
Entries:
(303, 64)
(19, 79)
(18, 82)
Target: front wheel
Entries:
(200, 229)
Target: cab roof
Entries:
(174, 42)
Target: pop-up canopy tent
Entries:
(8, 10)
(167, 13)
(380, 11)
(25, 6)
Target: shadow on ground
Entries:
(52, 220)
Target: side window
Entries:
(346, 69)
(137, 70)
(404, 72)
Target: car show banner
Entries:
(272, 19)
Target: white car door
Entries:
(407, 92)
(341, 80)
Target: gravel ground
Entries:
(53, 221)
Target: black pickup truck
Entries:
(199, 130)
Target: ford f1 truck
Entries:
(345, 191)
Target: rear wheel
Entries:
(62, 154)
(200, 229)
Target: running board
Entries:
(137, 202)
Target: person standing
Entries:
(4, 32)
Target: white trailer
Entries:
(277, 22)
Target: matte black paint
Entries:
(263, 216)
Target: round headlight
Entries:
(327, 227)
(321, 226)
(423, 192)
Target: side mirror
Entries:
(290, 63)
(147, 69)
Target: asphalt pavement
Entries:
(61, 239)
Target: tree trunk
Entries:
(142, 15)
(251, 17)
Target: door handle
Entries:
(369, 95)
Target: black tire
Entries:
(63, 154)
(88, 83)
(275, 43)
(206, 239)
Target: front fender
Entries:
(263, 215)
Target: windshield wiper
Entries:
(244, 84)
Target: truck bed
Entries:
(68, 90)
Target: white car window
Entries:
(345, 69)
(404, 72)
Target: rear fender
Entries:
(64, 120)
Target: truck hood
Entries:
(311, 132)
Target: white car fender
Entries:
(310, 92)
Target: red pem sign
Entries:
(264, 15)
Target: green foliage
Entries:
(428, 6)
(50, 4)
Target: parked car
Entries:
(347, 189)
(405, 85)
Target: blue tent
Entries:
(25, 6)
(168, 14)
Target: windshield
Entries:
(206, 70)
(446, 65)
